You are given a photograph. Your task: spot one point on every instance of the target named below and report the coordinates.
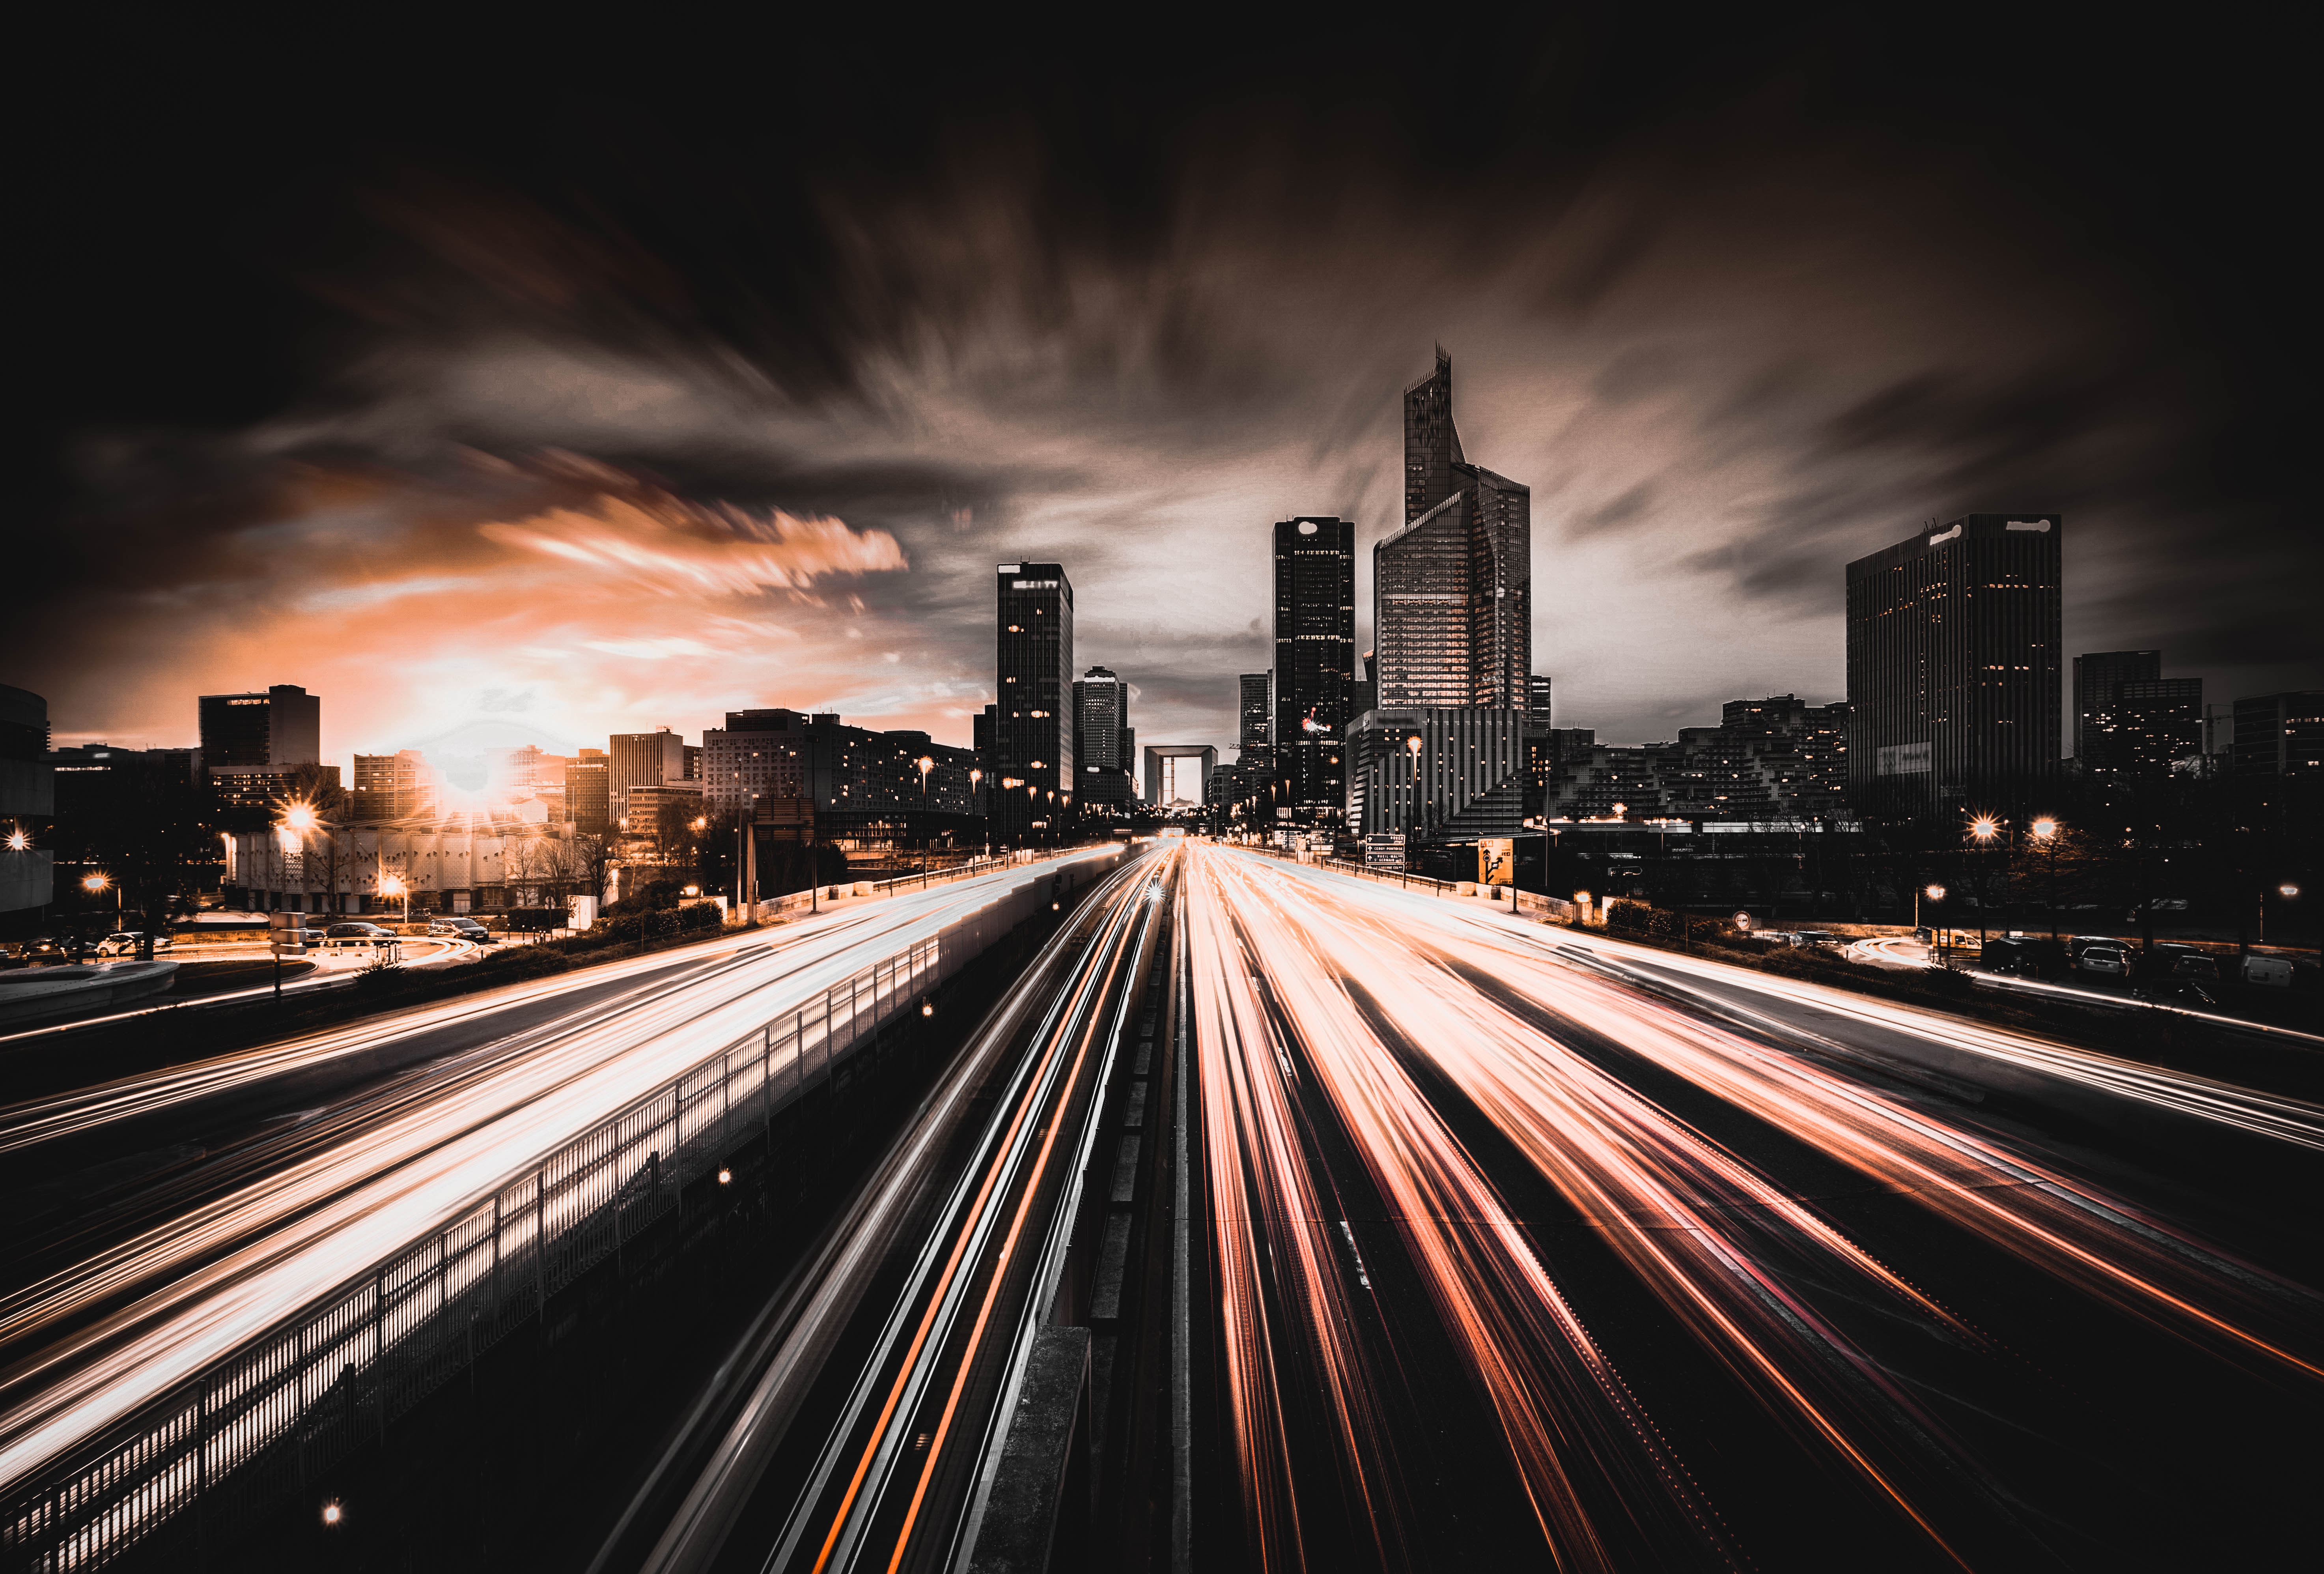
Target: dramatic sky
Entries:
(499, 388)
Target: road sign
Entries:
(287, 933)
(1742, 920)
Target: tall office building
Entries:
(1255, 711)
(642, 759)
(253, 746)
(1033, 736)
(282, 726)
(1953, 669)
(2158, 725)
(1452, 589)
(1102, 737)
(1314, 659)
(2097, 677)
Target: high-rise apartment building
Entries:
(1953, 669)
(1033, 741)
(642, 759)
(1452, 589)
(1102, 737)
(397, 786)
(1314, 659)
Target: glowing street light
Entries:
(19, 839)
(393, 886)
(1984, 828)
(926, 766)
(2287, 892)
(299, 817)
(93, 884)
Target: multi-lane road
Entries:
(1536, 1245)
(130, 1295)
(1479, 1242)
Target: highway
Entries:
(168, 1284)
(857, 1427)
(1529, 1246)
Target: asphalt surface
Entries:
(1537, 1249)
(140, 1271)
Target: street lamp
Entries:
(1934, 893)
(2045, 834)
(19, 839)
(1982, 830)
(394, 885)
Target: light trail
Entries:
(1564, 1412)
(1740, 1261)
(241, 1263)
(870, 1502)
(2104, 1245)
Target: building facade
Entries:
(1436, 774)
(1254, 710)
(1953, 669)
(1314, 660)
(1452, 588)
(2280, 735)
(641, 759)
(589, 792)
(396, 786)
(1033, 733)
(27, 801)
(454, 863)
(2098, 678)
(252, 745)
(1103, 740)
(281, 726)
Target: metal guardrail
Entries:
(276, 1413)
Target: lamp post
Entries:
(2045, 835)
(97, 883)
(394, 885)
(1982, 830)
(1934, 893)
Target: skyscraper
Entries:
(1315, 658)
(1255, 714)
(2098, 678)
(1101, 738)
(654, 759)
(1452, 589)
(281, 726)
(1033, 741)
(2280, 735)
(253, 746)
(1953, 669)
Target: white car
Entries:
(125, 943)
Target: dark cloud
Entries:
(1739, 309)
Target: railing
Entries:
(1554, 908)
(269, 1417)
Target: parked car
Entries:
(1815, 937)
(2166, 990)
(127, 942)
(343, 931)
(2275, 970)
(2186, 962)
(24, 953)
(2107, 959)
(460, 927)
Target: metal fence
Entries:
(266, 1420)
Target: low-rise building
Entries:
(453, 863)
